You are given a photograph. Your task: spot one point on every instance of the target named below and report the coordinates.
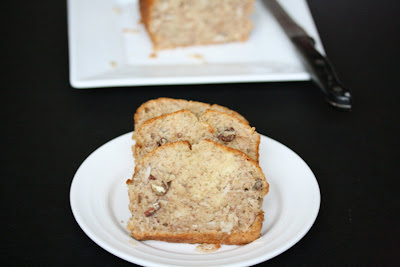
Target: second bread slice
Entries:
(183, 125)
(160, 106)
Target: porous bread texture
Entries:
(163, 105)
(183, 125)
(232, 132)
(173, 23)
(205, 193)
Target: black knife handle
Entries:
(322, 73)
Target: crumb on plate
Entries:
(117, 10)
(113, 64)
(208, 247)
(197, 57)
(130, 31)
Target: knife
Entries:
(319, 67)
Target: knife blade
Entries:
(319, 67)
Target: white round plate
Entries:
(99, 202)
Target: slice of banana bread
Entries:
(205, 193)
(183, 125)
(173, 23)
(157, 107)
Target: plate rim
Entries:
(137, 260)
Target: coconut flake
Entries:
(227, 188)
(147, 174)
(226, 227)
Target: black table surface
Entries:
(49, 128)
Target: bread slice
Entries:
(183, 125)
(157, 107)
(173, 23)
(205, 193)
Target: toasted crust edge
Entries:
(235, 238)
(142, 107)
(145, 7)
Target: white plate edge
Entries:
(140, 261)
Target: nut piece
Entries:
(257, 185)
(228, 135)
(160, 190)
(152, 210)
(179, 135)
(162, 141)
(151, 177)
(149, 212)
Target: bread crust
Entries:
(235, 238)
(142, 109)
(145, 7)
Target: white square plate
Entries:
(109, 47)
